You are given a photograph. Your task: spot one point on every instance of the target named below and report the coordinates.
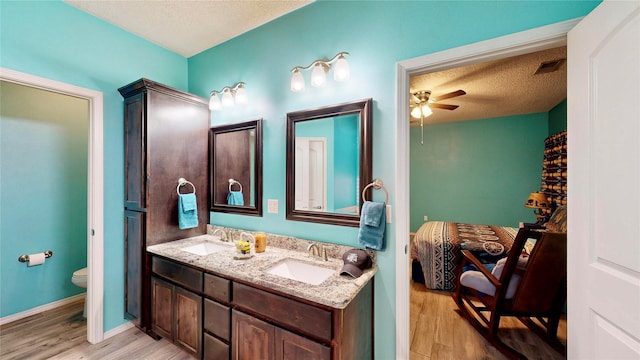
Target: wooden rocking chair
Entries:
(539, 281)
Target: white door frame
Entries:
(542, 38)
(95, 196)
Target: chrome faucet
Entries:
(224, 238)
(315, 251)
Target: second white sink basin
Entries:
(301, 271)
(205, 248)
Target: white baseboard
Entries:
(117, 330)
(39, 309)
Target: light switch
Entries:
(272, 206)
(388, 214)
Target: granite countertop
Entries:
(336, 291)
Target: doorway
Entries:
(95, 202)
(542, 38)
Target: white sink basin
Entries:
(205, 248)
(300, 271)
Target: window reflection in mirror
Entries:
(236, 168)
(328, 162)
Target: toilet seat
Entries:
(79, 277)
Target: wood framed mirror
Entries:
(235, 163)
(329, 162)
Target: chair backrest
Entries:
(542, 286)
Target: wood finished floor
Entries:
(438, 332)
(61, 334)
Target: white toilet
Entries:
(79, 279)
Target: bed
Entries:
(435, 248)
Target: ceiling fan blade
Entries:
(449, 95)
(443, 106)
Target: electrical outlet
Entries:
(272, 206)
(426, 218)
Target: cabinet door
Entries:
(134, 260)
(187, 329)
(251, 338)
(135, 153)
(161, 308)
(214, 348)
(290, 346)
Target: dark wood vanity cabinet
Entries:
(257, 339)
(166, 138)
(232, 319)
(176, 304)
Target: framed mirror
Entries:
(328, 162)
(235, 157)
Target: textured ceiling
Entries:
(187, 27)
(497, 88)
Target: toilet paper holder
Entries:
(25, 258)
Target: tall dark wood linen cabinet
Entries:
(166, 138)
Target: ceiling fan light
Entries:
(426, 110)
(416, 112)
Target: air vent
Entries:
(549, 66)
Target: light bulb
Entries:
(416, 112)
(241, 95)
(318, 76)
(341, 70)
(297, 82)
(426, 110)
(214, 102)
(227, 98)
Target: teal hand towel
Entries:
(372, 212)
(187, 211)
(235, 198)
(372, 225)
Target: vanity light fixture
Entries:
(320, 69)
(235, 94)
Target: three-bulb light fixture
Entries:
(235, 94)
(320, 69)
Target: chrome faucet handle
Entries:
(324, 253)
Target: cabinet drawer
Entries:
(182, 275)
(217, 319)
(287, 312)
(215, 349)
(217, 287)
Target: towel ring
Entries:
(234, 182)
(183, 182)
(377, 184)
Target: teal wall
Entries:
(558, 118)
(54, 40)
(478, 172)
(377, 35)
(43, 194)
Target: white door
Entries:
(311, 174)
(604, 183)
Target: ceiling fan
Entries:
(423, 98)
(423, 103)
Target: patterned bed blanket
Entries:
(437, 244)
